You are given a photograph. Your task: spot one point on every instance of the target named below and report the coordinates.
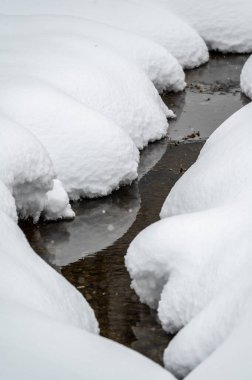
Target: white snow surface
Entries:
(195, 264)
(161, 67)
(26, 279)
(94, 76)
(246, 78)
(159, 25)
(91, 155)
(33, 346)
(225, 25)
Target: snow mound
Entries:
(160, 66)
(33, 346)
(246, 78)
(225, 25)
(159, 25)
(91, 155)
(92, 75)
(185, 264)
(37, 285)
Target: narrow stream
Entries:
(89, 251)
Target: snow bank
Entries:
(91, 155)
(33, 346)
(92, 75)
(161, 26)
(225, 25)
(185, 264)
(36, 285)
(246, 78)
(160, 66)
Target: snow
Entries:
(91, 155)
(160, 66)
(26, 279)
(7, 202)
(232, 360)
(225, 25)
(246, 78)
(185, 264)
(92, 75)
(159, 25)
(57, 203)
(33, 346)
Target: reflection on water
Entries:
(98, 223)
(89, 251)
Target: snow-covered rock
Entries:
(161, 26)
(246, 78)
(33, 346)
(27, 174)
(160, 66)
(26, 279)
(195, 264)
(92, 75)
(91, 154)
(225, 25)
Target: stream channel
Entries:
(89, 251)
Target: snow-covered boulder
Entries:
(26, 279)
(161, 26)
(33, 346)
(193, 264)
(225, 25)
(246, 78)
(92, 75)
(91, 155)
(161, 67)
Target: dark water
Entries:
(89, 251)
